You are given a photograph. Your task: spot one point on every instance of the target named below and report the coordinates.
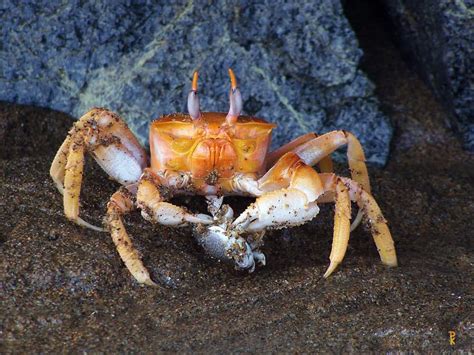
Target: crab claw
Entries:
(228, 246)
(277, 209)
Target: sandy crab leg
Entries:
(325, 164)
(367, 204)
(113, 146)
(58, 166)
(72, 184)
(121, 203)
(342, 224)
(151, 198)
(315, 150)
(151, 201)
(291, 190)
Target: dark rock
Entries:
(439, 37)
(65, 288)
(297, 63)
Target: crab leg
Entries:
(367, 204)
(121, 203)
(151, 197)
(112, 145)
(342, 218)
(313, 151)
(291, 189)
(58, 166)
(72, 184)
(325, 164)
(151, 202)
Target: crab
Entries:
(214, 155)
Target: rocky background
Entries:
(438, 36)
(297, 64)
(64, 288)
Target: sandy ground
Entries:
(64, 288)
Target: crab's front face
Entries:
(210, 148)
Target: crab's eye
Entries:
(181, 145)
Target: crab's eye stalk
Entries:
(193, 99)
(235, 100)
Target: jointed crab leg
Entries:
(378, 224)
(58, 166)
(113, 146)
(121, 203)
(315, 150)
(291, 190)
(154, 208)
(342, 218)
(72, 183)
(325, 164)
